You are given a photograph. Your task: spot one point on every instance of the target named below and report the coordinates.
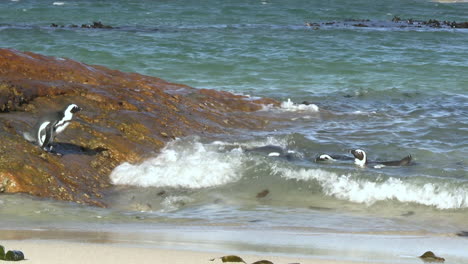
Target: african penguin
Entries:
(360, 159)
(331, 157)
(273, 151)
(49, 125)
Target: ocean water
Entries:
(390, 89)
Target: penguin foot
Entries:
(56, 153)
(52, 151)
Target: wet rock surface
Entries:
(125, 117)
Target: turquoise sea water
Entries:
(391, 89)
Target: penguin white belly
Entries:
(41, 133)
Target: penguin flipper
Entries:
(49, 135)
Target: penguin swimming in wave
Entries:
(50, 125)
(273, 151)
(360, 159)
(331, 157)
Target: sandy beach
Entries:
(168, 246)
(51, 252)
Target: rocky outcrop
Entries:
(396, 22)
(125, 117)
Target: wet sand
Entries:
(187, 245)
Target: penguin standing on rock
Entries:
(49, 125)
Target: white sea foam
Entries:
(293, 107)
(182, 164)
(290, 106)
(58, 3)
(348, 187)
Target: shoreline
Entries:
(197, 245)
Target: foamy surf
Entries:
(290, 106)
(188, 163)
(364, 190)
(182, 164)
(294, 107)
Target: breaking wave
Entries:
(195, 165)
(182, 165)
(361, 190)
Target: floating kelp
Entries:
(263, 262)
(230, 258)
(429, 256)
(263, 193)
(11, 255)
(14, 255)
(2, 252)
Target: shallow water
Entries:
(389, 90)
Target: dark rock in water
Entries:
(360, 25)
(432, 23)
(262, 262)
(14, 255)
(409, 213)
(97, 24)
(263, 193)
(122, 120)
(458, 25)
(218, 201)
(2, 252)
(396, 22)
(462, 234)
(429, 256)
(319, 208)
(100, 25)
(396, 19)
